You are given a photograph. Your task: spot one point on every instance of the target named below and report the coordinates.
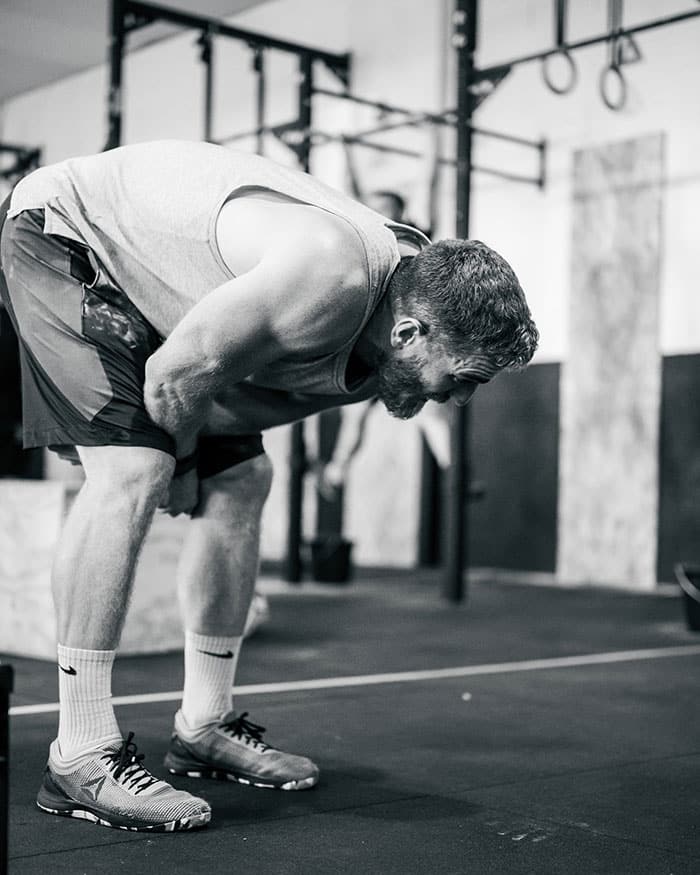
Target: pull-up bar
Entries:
(293, 136)
(319, 138)
(487, 72)
(128, 16)
(448, 118)
(139, 14)
(615, 36)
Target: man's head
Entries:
(460, 317)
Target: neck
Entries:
(374, 343)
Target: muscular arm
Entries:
(285, 305)
(223, 338)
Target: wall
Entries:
(534, 230)
(401, 54)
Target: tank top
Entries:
(148, 213)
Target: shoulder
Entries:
(311, 264)
(266, 226)
(323, 266)
(330, 245)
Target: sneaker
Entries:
(233, 750)
(112, 787)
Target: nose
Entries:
(462, 395)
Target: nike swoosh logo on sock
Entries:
(69, 670)
(227, 655)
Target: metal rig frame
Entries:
(128, 16)
(473, 86)
(6, 684)
(470, 84)
(26, 159)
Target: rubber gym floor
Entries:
(563, 736)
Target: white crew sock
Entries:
(86, 720)
(210, 667)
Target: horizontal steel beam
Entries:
(435, 118)
(564, 48)
(17, 150)
(25, 159)
(416, 117)
(291, 136)
(151, 12)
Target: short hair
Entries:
(468, 294)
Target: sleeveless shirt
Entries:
(148, 213)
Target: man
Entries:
(172, 301)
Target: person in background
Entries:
(332, 476)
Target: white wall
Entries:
(400, 54)
(532, 228)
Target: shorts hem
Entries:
(58, 438)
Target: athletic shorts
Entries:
(83, 351)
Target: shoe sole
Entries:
(195, 822)
(224, 775)
(64, 806)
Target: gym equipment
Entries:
(26, 159)
(474, 85)
(6, 684)
(688, 576)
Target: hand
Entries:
(182, 495)
(331, 478)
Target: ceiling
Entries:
(45, 40)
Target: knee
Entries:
(132, 476)
(247, 483)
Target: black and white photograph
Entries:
(350, 437)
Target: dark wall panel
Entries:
(515, 453)
(679, 487)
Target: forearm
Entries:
(176, 405)
(352, 432)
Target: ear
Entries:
(405, 331)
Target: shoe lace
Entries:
(249, 732)
(127, 765)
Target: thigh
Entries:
(123, 467)
(83, 344)
(236, 494)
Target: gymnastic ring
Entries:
(604, 83)
(573, 73)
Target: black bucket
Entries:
(688, 576)
(331, 559)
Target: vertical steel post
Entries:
(206, 43)
(6, 677)
(297, 466)
(117, 45)
(306, 90)
(560, 16)
(457, 560)
(430, 510)
(260, 95)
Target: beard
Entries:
(401, 390)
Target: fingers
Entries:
(182, 496)
(331, 479)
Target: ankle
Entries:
(210, 668)
(86, 721)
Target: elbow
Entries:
(155, 382)
(166, 386)
(155, 391)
